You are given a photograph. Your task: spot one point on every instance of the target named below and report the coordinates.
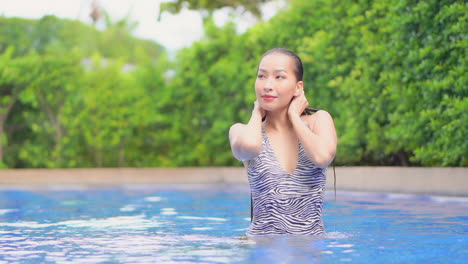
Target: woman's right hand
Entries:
(258, 109)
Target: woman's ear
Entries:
(299, 88)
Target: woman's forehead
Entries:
(276, 61)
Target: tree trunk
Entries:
(98, 157)
(3, 118)
(54, 119)
(121, 153)
(403, 158)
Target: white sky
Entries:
(173, 31)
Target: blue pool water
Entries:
(206, 224)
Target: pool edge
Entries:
(412, 180)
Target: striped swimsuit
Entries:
(285, 203)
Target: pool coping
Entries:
(410, 180)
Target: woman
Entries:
(285, 151)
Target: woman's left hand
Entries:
(298, 105)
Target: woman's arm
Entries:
(246, 140)
(318, 137)
(319, 141)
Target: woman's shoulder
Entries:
(319, 116)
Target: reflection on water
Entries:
(208, 225)
(117, 239)
(288, 249)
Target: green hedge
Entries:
(391, 73)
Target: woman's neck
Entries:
(278, 120)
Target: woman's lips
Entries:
(269, 97)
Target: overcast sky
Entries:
(173, 31)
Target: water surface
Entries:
(207, 224)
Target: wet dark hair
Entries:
(298, 67)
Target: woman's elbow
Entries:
(245, 151)
(324, 160)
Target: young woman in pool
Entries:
(285, 149)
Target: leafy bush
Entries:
(391, 73)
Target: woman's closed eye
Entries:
(260, 76)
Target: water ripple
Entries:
(118, 222)
(203, 218)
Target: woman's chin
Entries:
(270, 108)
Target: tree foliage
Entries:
(53, 35)
(61, 110)
(209, 6)
(391, 73)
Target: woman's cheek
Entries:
(257, 88)
(258, 93)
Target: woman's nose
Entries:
(268, 85)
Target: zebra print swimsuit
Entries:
(285, 203)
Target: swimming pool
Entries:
(206, 224)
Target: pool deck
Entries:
(410, 180)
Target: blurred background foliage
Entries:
(392, 74)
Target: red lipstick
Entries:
(269, 97)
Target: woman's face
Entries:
(276, 82)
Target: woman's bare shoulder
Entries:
(321, 116)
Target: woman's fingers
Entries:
(258, 108)
(298, 104)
